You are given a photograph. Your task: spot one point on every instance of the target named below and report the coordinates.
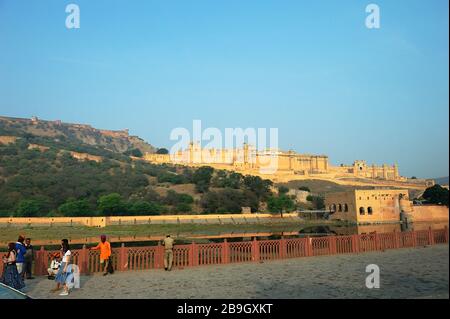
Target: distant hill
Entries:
(49, 168)
(51, 132)
(441, 180)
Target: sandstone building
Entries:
(367, 205)
(381, 206)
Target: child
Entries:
(54, 267)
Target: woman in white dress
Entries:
(61, 276)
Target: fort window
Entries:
(362, 211)
(369, 210)
(345, 208)
(340, 208)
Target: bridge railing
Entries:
(152, 257)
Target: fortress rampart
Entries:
(288, 165)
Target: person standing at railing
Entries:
(29, 258)
(11, 276)
(105, 254)
(20, 257)
(168, 252)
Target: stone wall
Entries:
(134, 220)
(85, 156)
(422, 213)
(8, 139)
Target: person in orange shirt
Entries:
(105, 253)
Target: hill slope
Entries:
(54, 170)
(57, 131)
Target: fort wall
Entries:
(424, 213)
(132, 220)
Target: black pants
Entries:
(27, 266)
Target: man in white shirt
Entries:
(54, 267)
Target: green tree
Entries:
(112, 204)
(73, 207)
(223, 201)
(304, 188)
(280, 204)
(174, 198)
(134, 152)
(317, 201)
(210, 202)
(260, 187)
(436, 195)
(162, 151)
(30, 208)
(172, 178)
(202, 178)
(182, 208)
(145, 208)
(283, 190)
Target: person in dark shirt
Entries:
(29, 258)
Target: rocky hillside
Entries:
(56, 169)
(57, 131)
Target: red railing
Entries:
(141, 258)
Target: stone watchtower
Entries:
(195, 152)
(359, 167)
(246, 154)
(396, 173)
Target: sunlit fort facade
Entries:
(248, 160)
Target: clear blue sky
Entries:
(310, 68)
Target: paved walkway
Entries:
(405, 273)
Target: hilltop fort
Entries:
(289, 166)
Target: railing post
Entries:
(84, 260)
(159, 256)
(225, 252)
(309, 247)
(355, 243)
(40, 266)
(255, 250)
(446, 234)
(414, 238)
(283, 248)
(430, 236)
(377, 241)
(122, 257)
(396, 239)
(333, 248)
(193, 254)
